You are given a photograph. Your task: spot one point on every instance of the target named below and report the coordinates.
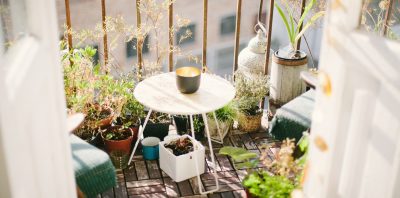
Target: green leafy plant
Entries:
(293, 26)
(249, 92)
(117, 133)
(225, 114)
(198, 124)
(284, 172)
(242, 158)
(264, 185)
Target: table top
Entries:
(160, 94)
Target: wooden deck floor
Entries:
(144, 178)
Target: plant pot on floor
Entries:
(117, 138)
(223, 126)
(285, 76)
(159, 130)
(249, 123)
(181, 124)
(182, 167)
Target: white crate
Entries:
(182, 167)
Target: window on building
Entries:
(186, 34)
(224, 62)
(131, 50)
(228, 25)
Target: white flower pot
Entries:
(182, 167)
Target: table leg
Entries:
(139, 136)
(212, 156)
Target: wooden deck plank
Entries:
(154, 171)
(130, 173)
(171, 187)
(195, 185)
(227, 195)
(120, 190)
(222, 181)
(237, 141)
(214, 195)
(248, 142)
(152, 195)
(224, 162)
(141, 170)
(239, 193)
(185, 188)
(144, 183)
(108, 194)
(146, 190)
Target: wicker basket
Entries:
(249, 123)
(119, 159)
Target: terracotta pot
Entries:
(106, 122)
(135, 132)
(115, 145)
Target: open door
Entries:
(355, 135)
(35, 156)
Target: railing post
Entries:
(303, 5)
(139, 41)
(171, 39)
(68, 19)
(204, 57)
(387, 18)
(237, 34)
(103, 19)
(269, 35)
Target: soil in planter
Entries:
(115, 133)
(91, 136)
(180, 146)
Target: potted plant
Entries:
(182, 125)
(182, 158)
(284, 173)
(225, 117)
(249, 93)
(117, 138)
(287, 63)
(157, 126)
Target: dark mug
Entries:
(188, 79)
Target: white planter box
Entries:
(182, 167)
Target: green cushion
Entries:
(292, 119)
(94, 172)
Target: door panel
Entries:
(34, 146)
(359, 120)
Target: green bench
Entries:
(94, 172)
(293, 118)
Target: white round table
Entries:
(159, 93)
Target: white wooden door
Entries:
(355, 136)
(35, 156)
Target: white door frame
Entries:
(35, 154)
(364, 74)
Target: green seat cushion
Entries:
(292, 119)
(94, 171)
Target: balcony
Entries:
(274, 94)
